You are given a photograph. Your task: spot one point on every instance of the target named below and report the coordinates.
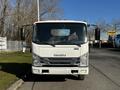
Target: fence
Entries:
(14, 45)
(3, 43)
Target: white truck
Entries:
(60, 47)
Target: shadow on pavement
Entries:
(114, 49)
(45, 78)
(49, 78)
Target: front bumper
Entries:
(61, 70)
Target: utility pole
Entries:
(38, 6)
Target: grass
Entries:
(12, 67)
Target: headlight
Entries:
(84, 60)
(37, 61)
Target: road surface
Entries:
(104, 75)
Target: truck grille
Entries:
(62, 61)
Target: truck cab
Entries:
(60, 47)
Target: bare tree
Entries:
(49, 9)
(25, 12)
(116, 25)
(3, 14)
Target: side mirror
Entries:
(97, 33)
(22, 33)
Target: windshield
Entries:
(59, 33)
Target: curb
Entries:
(16, 85)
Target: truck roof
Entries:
(61, 21)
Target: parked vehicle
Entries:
(117, 41)
(60, 48)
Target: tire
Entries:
(81, 77)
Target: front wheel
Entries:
(81, 77)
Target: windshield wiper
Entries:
(74, 43)
(60, 43)
(69, 43)
(47, 43)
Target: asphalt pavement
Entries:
(104, 75)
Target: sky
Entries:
(91, 11)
